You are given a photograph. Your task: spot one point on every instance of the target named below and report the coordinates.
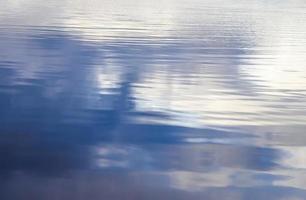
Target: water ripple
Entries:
(195, 99)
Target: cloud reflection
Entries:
(98, 101)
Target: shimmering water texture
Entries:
(152, 100)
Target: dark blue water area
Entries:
(152, 100)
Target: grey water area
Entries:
(153, 100)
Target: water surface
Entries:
(165, 99)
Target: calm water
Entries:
(153, 100)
